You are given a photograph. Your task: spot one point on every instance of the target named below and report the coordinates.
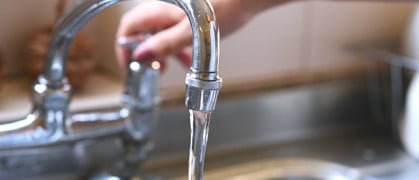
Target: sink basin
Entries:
(359, 155)
(317, 132)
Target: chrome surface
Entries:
(114, 141)
(111, 142)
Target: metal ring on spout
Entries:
(204, 29)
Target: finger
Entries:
(147, 17)
(167, 42)
(126, 46)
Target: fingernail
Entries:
(130, 42)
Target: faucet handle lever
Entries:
(142, 85)
(143, 78)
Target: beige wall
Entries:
(17, 20)
(334, 25)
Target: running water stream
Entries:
(199, 135)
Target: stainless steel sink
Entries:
(359, 155)
(342, 159)
(316, 132)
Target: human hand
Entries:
(171, 31)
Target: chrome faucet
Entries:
(51, 140)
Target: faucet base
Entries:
(113, 153)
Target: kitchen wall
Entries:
(295, 38)
(337, 24)
(18, 19)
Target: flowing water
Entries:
(199, 134)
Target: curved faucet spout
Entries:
(203, 82)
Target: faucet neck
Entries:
(63, 35)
